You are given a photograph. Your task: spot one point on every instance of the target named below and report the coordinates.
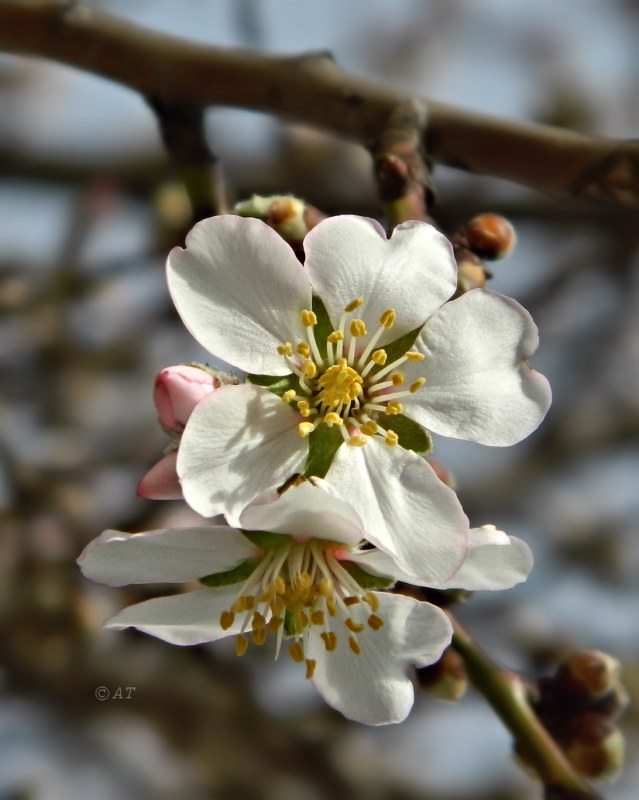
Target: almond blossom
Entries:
(352, 357)
(301, 573)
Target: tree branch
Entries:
(312, 89)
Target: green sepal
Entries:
(324, 325)
(267, 540)
(396, 349)
(411, 435)
(235, 575)
(366, 579)
(323, 444)
(278, 384)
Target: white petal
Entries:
(307, 511)
(479, 385)
(239, 289)
(373, 687)
(414, 272)
(163, 556)
(184, 619)
(495, 561)
(407, 511)
(238, 442)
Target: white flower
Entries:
(361, 346)
(307, 584)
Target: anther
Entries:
(305, 428)
(369, 428)
(357, 441)
(372, 600)
(412, 355)
(241, 645)
(388, 318)
(309, 369)
(279, 585)
(335, 337)
(325, 587)
(311, 663)
(354, 645)
(357, 327)
(302, 620)
(317, 617)
(417, 385)
(375, 622)
(392, 439)
(309, 318)
(354, 304)
(296, 652)
(274, 624)
(288, 396)
(351, 601)
(303, 407)
(303, 349)
(227, 618)
(394, 407)
(352, 625)
(329, 639)
(397, 378)
(278, 606)
(258, 621)
(379, 357)
(333, 419)
(258, 636)
(331, 606)
(285, 349)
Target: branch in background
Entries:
(312, 89)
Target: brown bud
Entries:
(446, 679)
(471, 271)
(596, 748)
(596, 672)
(490, 236)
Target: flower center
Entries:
(353, 385)
(294, 588)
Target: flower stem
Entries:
(506, 693)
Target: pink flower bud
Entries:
(161, 481)
(177, 391)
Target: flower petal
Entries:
(373, 687)
(161, 481)
(184, 619)
(495, 561)
(163, 556)
(479, 385)
(308, 511)
(238, 442)
(239, 289)
(407, 511)
(414, 272)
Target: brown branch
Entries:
(312, 89)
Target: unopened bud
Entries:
(444, 475)
(288, 215)
(447, 678)
(179, 389)
(471, 271)
(490, 236)
(595, 672)
(596, 749)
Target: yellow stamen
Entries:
(285, 349)
(354, 304)
(279, 585)
(288, 396)
(305, 428)
(357, 441)
(258, 636)
(241, 645)
(335, 337)
(397, 378)
(331, 606)
(309, 369)
(227, 618)
(325, 588)
(333, 419)
(309, 319)
(340, 384)
(394, 407)
(392, 439)
(375, 622)
(352, 625)
(278, 606)
(317, 617)
(311, 663)
(303, 349)
(372, 600)
(388, 318)
(351, 601)
(357, 327)
(417, 385)
(379, 357)
(258, 622)
(369, 428)
(274, 624)
(354, 645)
(412, 355)
(304, 408)
(329, 639)
(296, 652)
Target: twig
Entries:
(506, 693)
(312, 89)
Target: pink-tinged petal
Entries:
(495, 561)
(407, 511)
(161, 481)
(479, 384)
(240, 441)
(239, 289)
(183, 619)
(413, 272)
(178, 390)
(373, 687)
(308, 511)
(164, 556)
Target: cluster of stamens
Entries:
(353, 384)
(293, 588)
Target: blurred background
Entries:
(86, 194)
